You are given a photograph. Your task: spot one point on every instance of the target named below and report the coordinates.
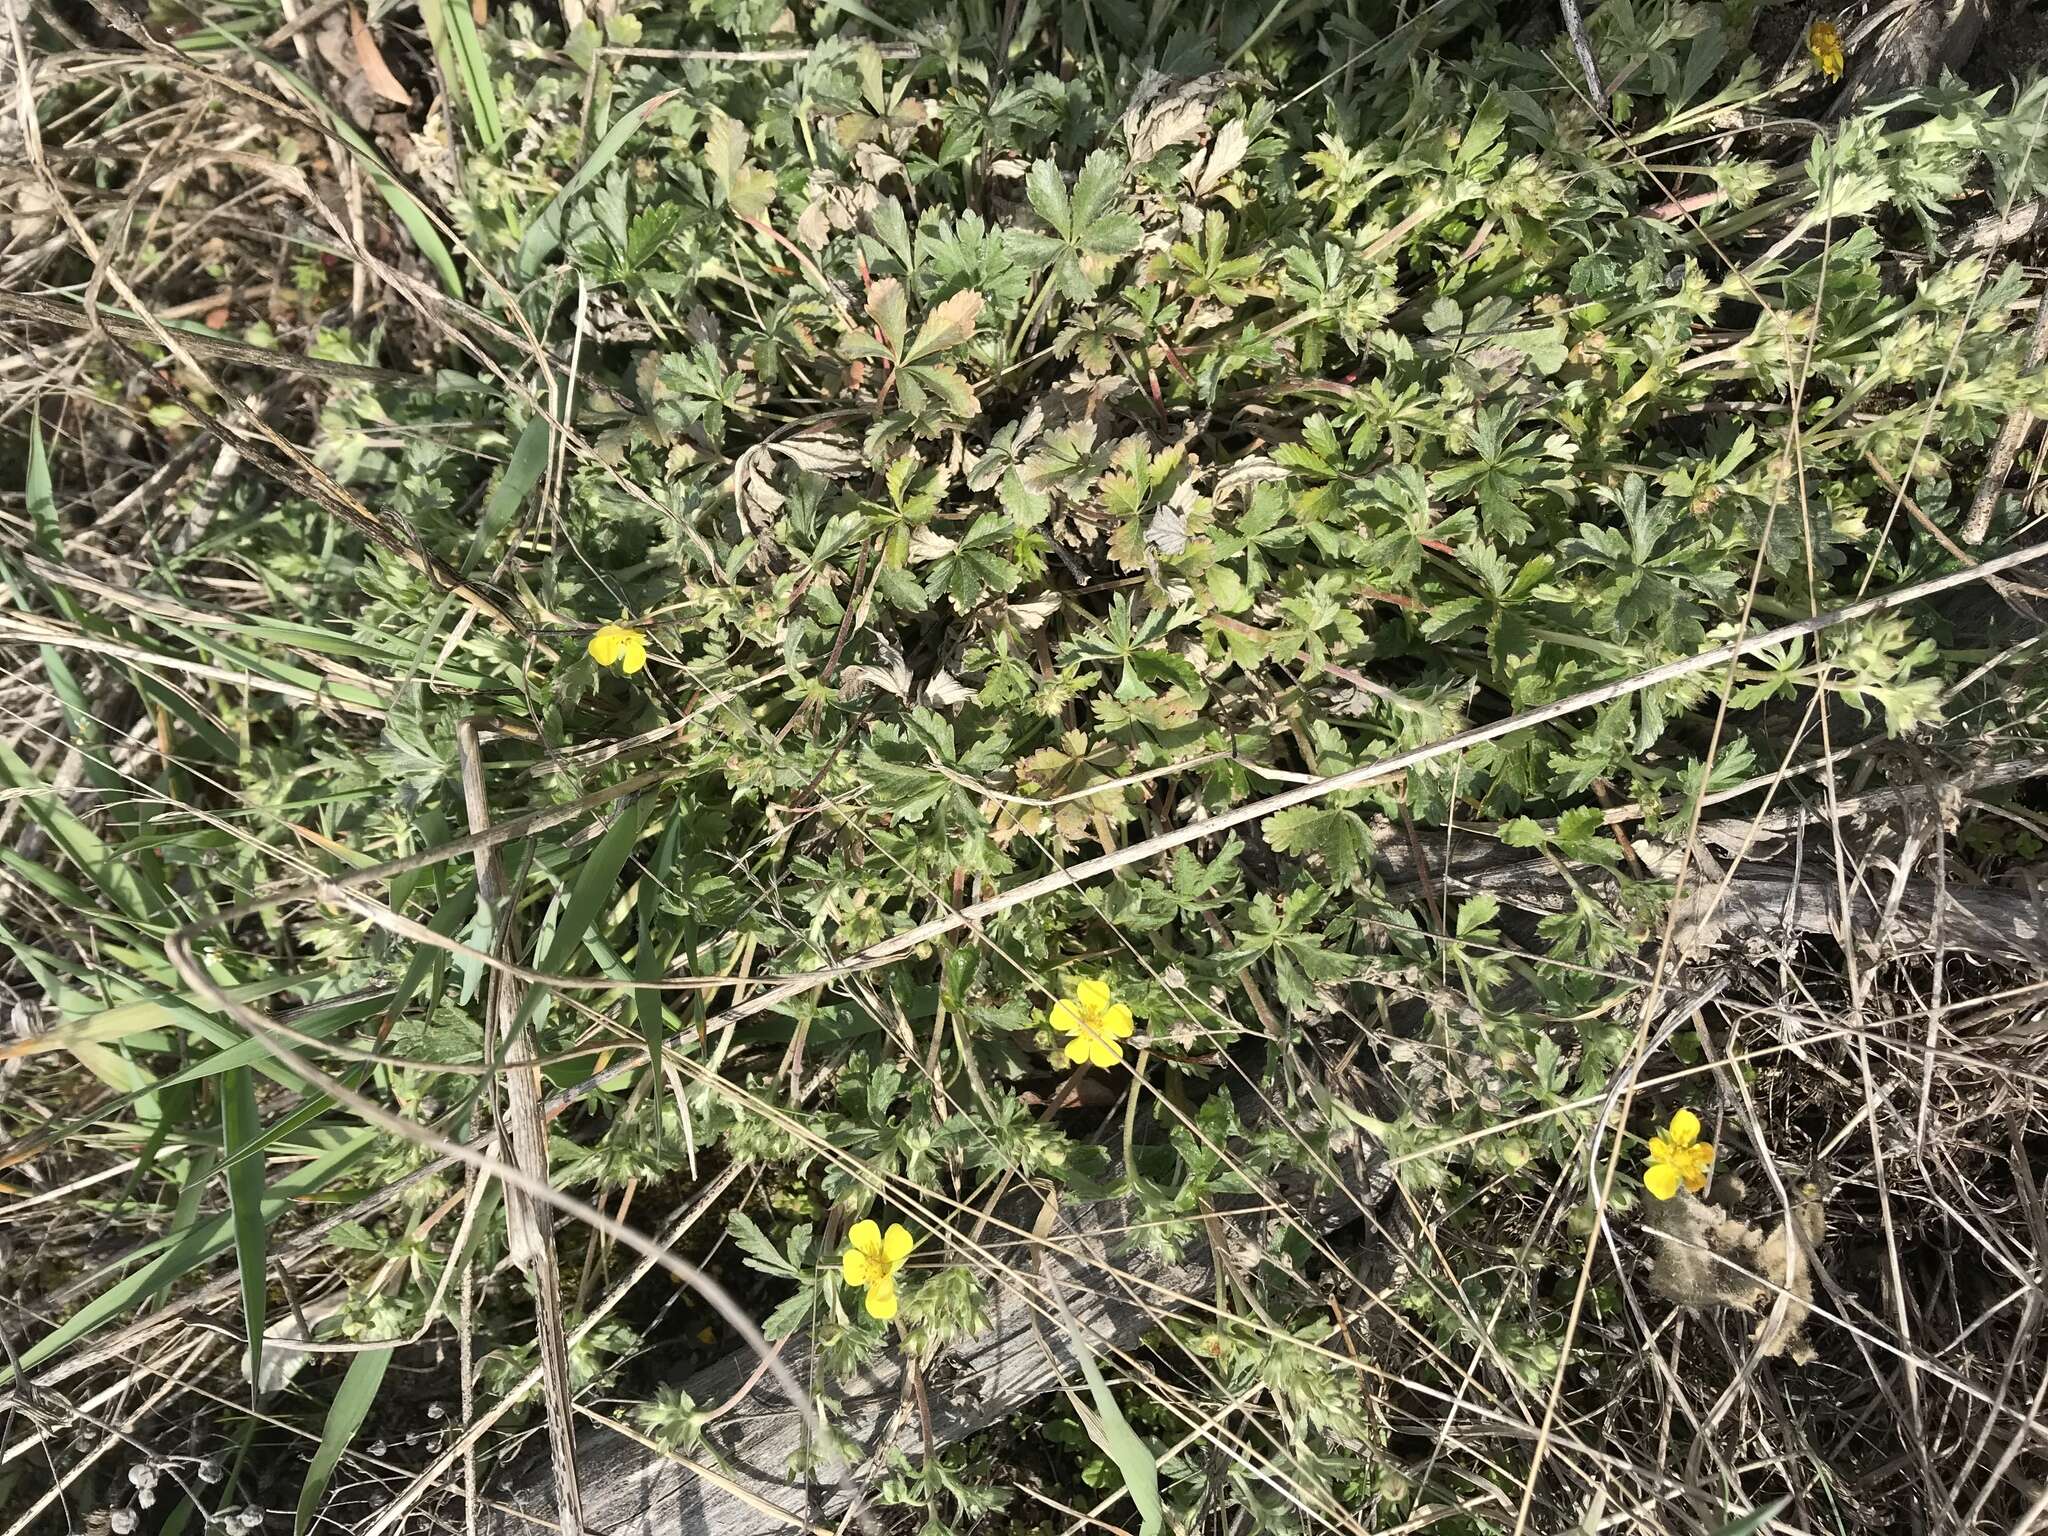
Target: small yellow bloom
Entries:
(871, 1260)
(1825, 44)
(1679, 1157)
(1095, 1022)
(620, 646)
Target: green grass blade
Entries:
(402, 203)
(241, 1124)
(545, 232)
(597, 882)
(522, 473)
(114, 1069)
(454, 34)
(406, 207)
(42, 499)
(115, 876)
(1107, 1426)
(1112, 1432)
(648, 959)
(126, 1019)
(345, 1416)
(199, 1242)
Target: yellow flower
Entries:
(1679, 1157)
(620, 646)
(1825, 44)
(871, 1260)
(1095, 1022)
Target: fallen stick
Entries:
(2011, 437)
(630, 1489)
(750, 1490)
(1761, 902)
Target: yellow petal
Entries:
(866, 1237)
(1685, 1128)
(1695, 1180)
(1077, 1049)
(854, 1268)
(1117, 1022)
(1661, 1151)
(606, 644)
(1662, 1180)
(1704, 1152)
(1066, 1018)
(896, 1244)
(1092, 995)
(1104, 1053)
(634, 655)
(882, 1299)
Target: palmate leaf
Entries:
(975, 565)
(748, 189)
(544, 234)
(1086, 223)
(761, 1252)
(1340, 836)
(949, 325)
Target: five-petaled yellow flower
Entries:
(1679, 1157)
(1825, 44)
(871, 1260)
(1096, 1023)
(620, 646)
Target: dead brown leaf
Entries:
(950, 324)
(370, 59)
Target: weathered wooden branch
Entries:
(1911, 44)
(1765, 902)
(2011, 438)
(629, 1490)
(1763, 898)
(749, 1487)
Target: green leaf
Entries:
(189, 1248)
(115, 875)
(949, 325)
(345, 1416)
(1339, 835)
(792, 1313)
(544, 234)
(1047, 190)
(748, 189)
(241, 1126)
(1086, 220)
(1113, 1435)
(760, 1249)
(453, 32)
(42, 500)
(1477, 914)
(522, 473)
(1581, 835)
(410, 213)
(890, 310)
